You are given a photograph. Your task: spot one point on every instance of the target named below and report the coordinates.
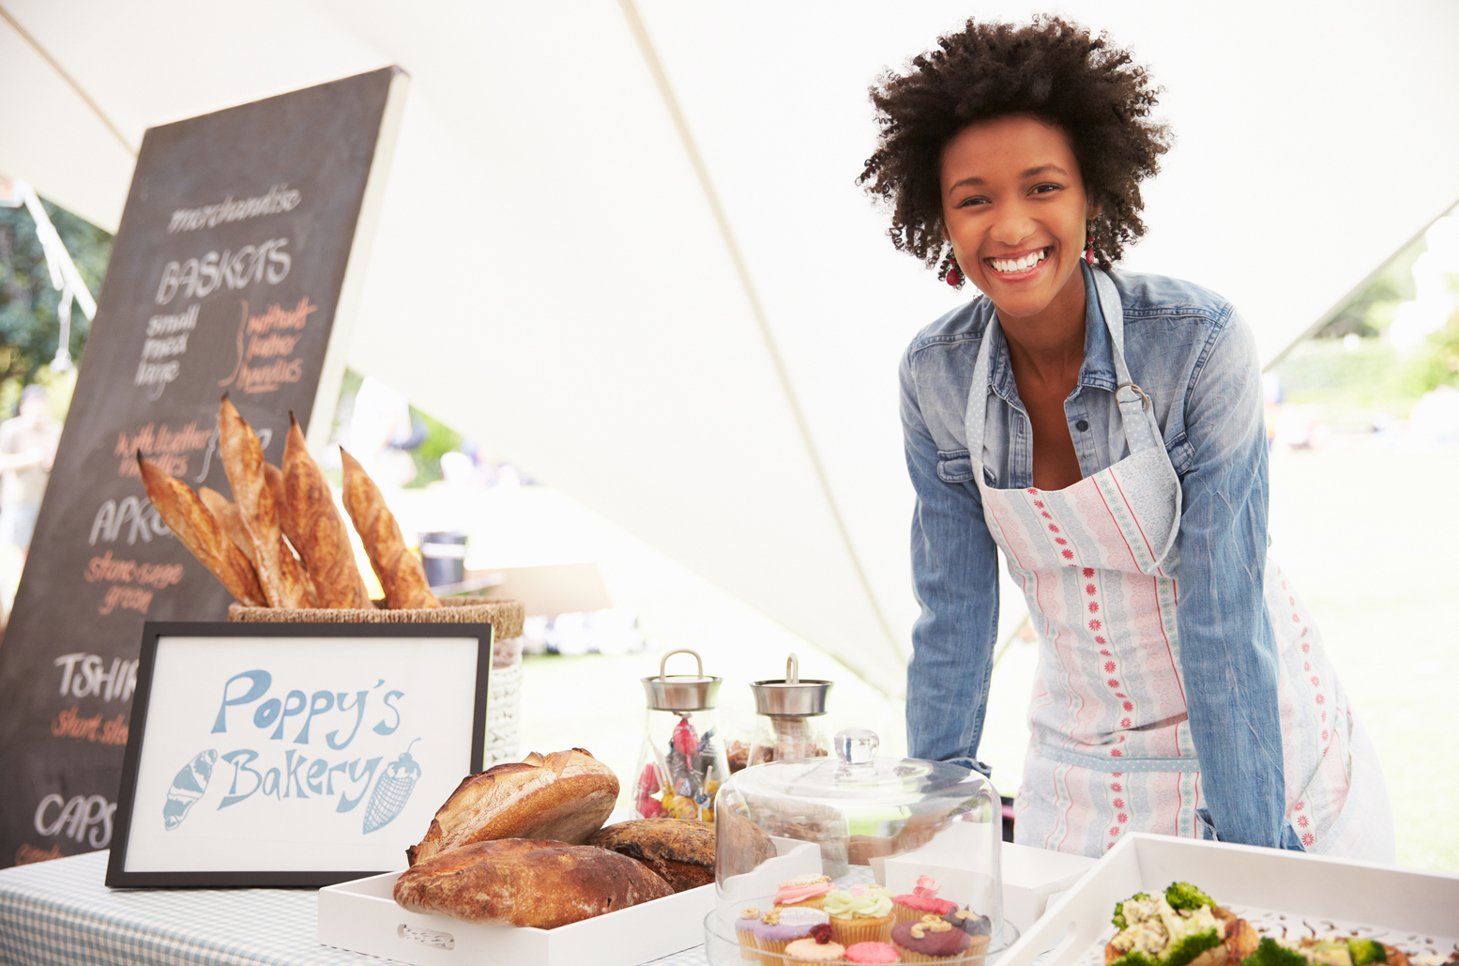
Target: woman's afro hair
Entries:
(1052, 70)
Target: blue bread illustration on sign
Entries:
(188, 787)
(392, 791)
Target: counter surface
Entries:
(60, 913)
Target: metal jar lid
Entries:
(681, 692)
(791, 697)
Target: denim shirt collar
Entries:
(1097, 370)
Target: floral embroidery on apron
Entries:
(1110, 749)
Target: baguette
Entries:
(273, 478)
(189, 520)
(316, 529)
(283, 578)
(401, 574)
(228, 517)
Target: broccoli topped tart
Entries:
(1326, 951)
(1180, 927)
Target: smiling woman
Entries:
(1015, 213)
(1104, 431)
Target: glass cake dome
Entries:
(855, 848)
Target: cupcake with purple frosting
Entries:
(931, 939)
(778, 928)
(745, 932)
(979, 927)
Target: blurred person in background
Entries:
(27, 450)
(381, 432)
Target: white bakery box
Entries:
(362, 916)
(1288, 894)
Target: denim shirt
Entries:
(1196, 360)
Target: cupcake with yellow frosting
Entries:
(862, 913)
(815, 949)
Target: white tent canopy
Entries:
(623, 243)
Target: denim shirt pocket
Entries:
(954, 466)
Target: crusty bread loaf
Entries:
(740, 843)
(679, 850)
(565, 796)
(527, 882)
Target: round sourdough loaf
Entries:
(565, 796)
(527, 882)
(677, 849)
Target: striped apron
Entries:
(1110, 748)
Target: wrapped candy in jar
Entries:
(789, 711)
(683, 762)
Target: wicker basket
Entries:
(505, 617)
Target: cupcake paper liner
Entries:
(972, 956)
(860, 929)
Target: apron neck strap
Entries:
(1141, 429)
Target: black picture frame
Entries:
(253, 847)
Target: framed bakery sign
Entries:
(293, 754)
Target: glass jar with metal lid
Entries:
(682, 763)
(790, 708)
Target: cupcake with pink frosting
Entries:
(872, 952)
(807, 890)
(921, 901)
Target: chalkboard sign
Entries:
(226, 276)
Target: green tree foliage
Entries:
(1369, 311)
(29, 326)
(1437, 364)
(440, 440)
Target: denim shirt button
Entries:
(1082, 425)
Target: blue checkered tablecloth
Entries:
(60, 913)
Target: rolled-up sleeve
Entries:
(955, 578)
(1228, 654)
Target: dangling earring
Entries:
(1089, 252)
(951, 273)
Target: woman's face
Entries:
(1014, 208)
